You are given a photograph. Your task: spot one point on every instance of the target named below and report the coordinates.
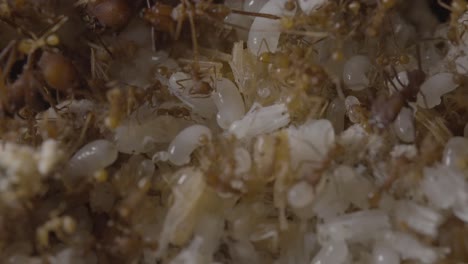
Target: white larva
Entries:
(186, 142)
(92, 157)
(433, 88)
(355, 73)
(229, 103)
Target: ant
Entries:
(100, 15)
(385, 110)
(169, 19)
(51, 70)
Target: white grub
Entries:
(264, 33)
(307, 6)
(180, 85)
(229, 102)
(260, 120)
(421, 219)
(187, 192)
(355, 72)
(353, 137)
(186, 142)
(434, 87)
(456, 153)
(353, 187)
(442, 185)
(92, 157)
(311, 142)
(359, 227)
(407, 151)
(410, 248)
(328, 203)
(404, 125)
(383, 254)
(335, 252)
(143, 129)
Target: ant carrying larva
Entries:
(385, 110)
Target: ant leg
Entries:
(82, 135)
(45, 93)
(153, 31)
(444, 5)
(194, 35)
(9, 64)
(255, 14)
(391, 81)
(7, 49)
(179, 82)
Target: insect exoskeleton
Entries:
(102, 14)
(58, 71)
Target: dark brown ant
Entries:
(162, 18)
(100, 15)
(385, 110)
(29, 87)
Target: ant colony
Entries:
(233, 131)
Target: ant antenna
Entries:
(418, 56)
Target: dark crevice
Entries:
(440, 12)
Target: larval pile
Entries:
(257, 131)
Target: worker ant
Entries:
(40, 67)
(385, 110)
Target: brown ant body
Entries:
(100, 15)
(51, 70)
